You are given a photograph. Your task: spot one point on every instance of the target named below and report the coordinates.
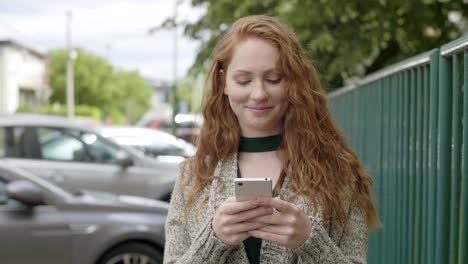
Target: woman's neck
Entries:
(251, 133)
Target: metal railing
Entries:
(406, 123)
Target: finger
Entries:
(277, 229)
(282, 240)
(243, 227)
(253, 213)
(234, 207)
(280, 205)
(271, 219)
(246, 215)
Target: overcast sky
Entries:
(121, 25)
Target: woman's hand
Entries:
(231, 222)
(290, 228)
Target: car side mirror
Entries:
(25, 192)
(123, 159)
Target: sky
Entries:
(114, 29)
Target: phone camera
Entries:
(240, 184)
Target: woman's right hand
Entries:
(230, 223)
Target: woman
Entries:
(266, 115)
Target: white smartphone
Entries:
(251, 188)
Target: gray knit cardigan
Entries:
(194, 242)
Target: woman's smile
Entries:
(260, 109)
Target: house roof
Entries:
(9, 42)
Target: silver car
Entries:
(75, 157)
(152, 142)
(42, 223)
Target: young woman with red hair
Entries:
(266, 116)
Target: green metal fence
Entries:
(408, 124)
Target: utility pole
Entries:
(172, 24)
(175, 103)
(71, 55)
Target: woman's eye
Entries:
(243, 82)
(274, 81)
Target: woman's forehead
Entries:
(254, 54)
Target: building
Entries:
(161, 91)
(23, 77)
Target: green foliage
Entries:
(60, 109)
(190, 90)
(343, 38)
(80, 110)
(24, 109)
(184, 93)
(133, 95)
(118, 94)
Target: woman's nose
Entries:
(259, 92)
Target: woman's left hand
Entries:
(290, 228)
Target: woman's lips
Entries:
(262, 109)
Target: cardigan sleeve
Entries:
(351, 248)
(180, 247)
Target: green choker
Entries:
(260, 144)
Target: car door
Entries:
(39, 234)
(58, 155)
(76, 160)
(102, 171)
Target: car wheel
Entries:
(135, 253)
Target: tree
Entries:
(98, 84)
(133, 93)
(190, 90)
(343, 38)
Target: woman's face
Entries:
(256, 88)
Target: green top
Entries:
(257, 144)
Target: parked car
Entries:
(152, 142)
(75, 157)
(188, 125)
(43, 223)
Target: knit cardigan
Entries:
(194, 242)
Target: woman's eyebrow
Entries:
(242, 72)
(249, 72)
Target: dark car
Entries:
(42, 223)
(75, 157)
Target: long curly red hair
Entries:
(322, 165)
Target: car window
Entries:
(60, 145)
(164, 148)
(3, 196)
(150, 147)
(74, 145)
(12, 142)
(186, 124)
(101, 150)
(2, 142)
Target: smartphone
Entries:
(251, 188)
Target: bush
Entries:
(80, 110)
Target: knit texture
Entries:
(194, 242)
